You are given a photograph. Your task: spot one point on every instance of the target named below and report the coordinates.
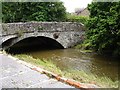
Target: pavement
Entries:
(17, 75)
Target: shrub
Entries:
(77, 18)
(103, 27)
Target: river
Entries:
(76, 59)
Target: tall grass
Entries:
(43, 63)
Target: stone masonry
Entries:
(67, 34)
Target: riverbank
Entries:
(81, 76)
(15, 65)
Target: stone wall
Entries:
(67, 34)
(14, 28)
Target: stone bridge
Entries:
(64, 34)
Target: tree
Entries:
(33, 11)
(103, 34)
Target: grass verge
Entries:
(42, 63)
(80, 76)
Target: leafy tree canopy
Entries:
(103, 34)
(33, 11)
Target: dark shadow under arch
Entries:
(33, 44)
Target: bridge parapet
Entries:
(16, 28)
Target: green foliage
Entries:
(77, 18)
(103, 34)
(33, 11)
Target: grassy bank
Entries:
(80, 76)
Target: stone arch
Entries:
(42, 41)
(7, 42)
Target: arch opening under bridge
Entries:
(32, 44)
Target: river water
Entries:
(78, 60)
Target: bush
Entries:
(103, 27)
(77, 18)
